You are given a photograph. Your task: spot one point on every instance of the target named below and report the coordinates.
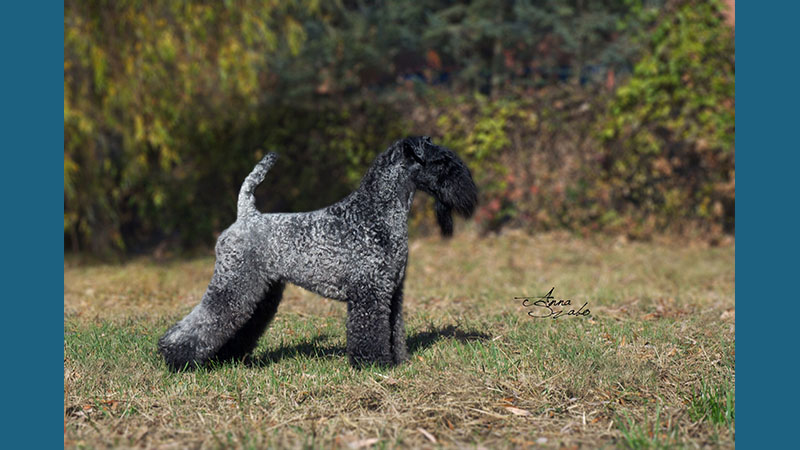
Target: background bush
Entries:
(584, 115)
(668, 134)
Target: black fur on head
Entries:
(438, 171)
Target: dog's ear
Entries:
(444, 216)
(413, 151)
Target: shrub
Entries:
(668, 134)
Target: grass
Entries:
(713, 402)
(652, 366)
(648, 435)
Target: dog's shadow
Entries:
(316, 347)
(425, 339)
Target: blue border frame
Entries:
(32, 125)
(32, 122)
(768, 164)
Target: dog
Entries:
(355, 250)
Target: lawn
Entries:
(652, 365)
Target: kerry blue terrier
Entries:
(355, 251)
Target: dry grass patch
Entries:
(652, 367)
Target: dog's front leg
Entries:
(368, 330)
(398, 328)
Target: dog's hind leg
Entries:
(226, 324)
(244, 340)
(236, 307)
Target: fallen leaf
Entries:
(363, 443)
(140, 434)
(517, 411)
(112, 404)
(427, 435)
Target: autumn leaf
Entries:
(517, 411)
(427, 435)
(363, 443)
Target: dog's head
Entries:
(439, 172)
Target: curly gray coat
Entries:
(355, 251)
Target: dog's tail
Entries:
(247, 201)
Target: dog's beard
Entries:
(463, 203)
(444, 215)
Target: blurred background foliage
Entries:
(586, 115)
